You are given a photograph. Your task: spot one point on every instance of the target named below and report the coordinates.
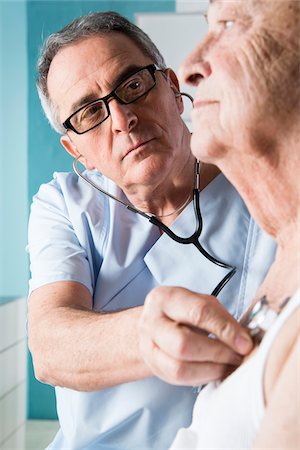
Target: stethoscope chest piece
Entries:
(259, 318)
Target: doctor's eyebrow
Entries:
(129, 70)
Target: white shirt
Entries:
(228, 415)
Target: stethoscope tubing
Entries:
(193, 239)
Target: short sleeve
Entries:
(56, 253)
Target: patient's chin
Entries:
(207, 148)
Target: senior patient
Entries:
(246, 120)
(105, 87)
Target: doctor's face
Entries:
(139, 143)
(245, 73)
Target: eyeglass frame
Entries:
(152, 68)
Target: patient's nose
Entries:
(195, 67)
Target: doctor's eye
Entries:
(91, 114)
(91, 111)
(134, 85)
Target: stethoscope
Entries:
(193, 239)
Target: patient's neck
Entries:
(269, 184)
(282, 280)
(268, 181)
(208, 173)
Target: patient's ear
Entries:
(71, 148)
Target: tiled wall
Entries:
(12, 373)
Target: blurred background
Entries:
(29, 154)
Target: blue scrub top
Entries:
(78, 234)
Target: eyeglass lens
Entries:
(128, 91)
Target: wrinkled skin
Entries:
(246, 68)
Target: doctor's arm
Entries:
(72, 345)
(75, 347)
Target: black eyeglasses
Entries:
(128, 91)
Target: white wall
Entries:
(13, 355)
(191, 5)
(175, 35)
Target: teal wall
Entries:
(45, 153)
(13, 148)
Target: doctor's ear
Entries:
(174, 85)
(71, 148)
(173, 80)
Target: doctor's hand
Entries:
(174, 331)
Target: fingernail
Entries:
(243, 343)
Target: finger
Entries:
(204, 312)
(184, 344)
(184, 373)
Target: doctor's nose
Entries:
(122, 117)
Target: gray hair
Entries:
(97, 23)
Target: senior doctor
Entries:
(105, 87)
